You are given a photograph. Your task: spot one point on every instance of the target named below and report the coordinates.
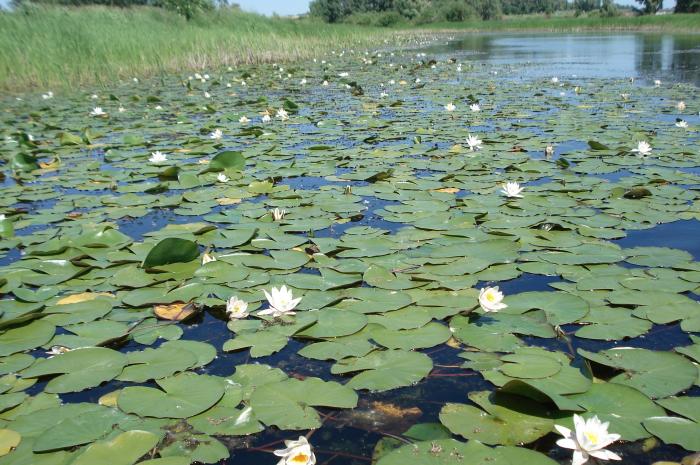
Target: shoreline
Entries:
(80, 48)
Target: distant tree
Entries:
(488, 9)
(583, 6)
(608, 9)
(650, 6)
(410, 9)
(687, 6)
(186, 8)
(330, 11)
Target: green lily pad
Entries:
(182, 396)
(79, 369)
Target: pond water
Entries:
(668, 57)
(385, 201)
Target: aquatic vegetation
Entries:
(236, 308)
(512, 189)
(589, 439)
(296, 453)
(491, 299)
(343, 267)
(281, 301)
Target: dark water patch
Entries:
(682, 234)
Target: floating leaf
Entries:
(171, 250)
(287, 404)
(384, 370)
(124, 449)
(81, 368)
(182, 396)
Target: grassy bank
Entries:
(49, 48)
(662, 23)
(55, 47)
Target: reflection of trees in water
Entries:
(479, 43)
(670, 56)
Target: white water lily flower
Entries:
(158, 157)
(57, 350)
(549, 150)
(383, 95)
(121, 109)
(266, 119)
(2, 217)
(207, 258)
(680, 105)
(197, 76)
(588, 440)
(158, 107)
(243, 83)
(512, 189)
(278, 214)
(243, 120)
(47, 95)
(343, 74)
(221, 177)
(474, 142)
(297, 453)
(682, 123)
(491, 299)
(474, 107)
(281, 301)
(282, 114)
(643, 148)
(555, 80)
(236, 308)
(216, 134)
(94, 96)
(657, 83)
(450, 107)
(303, 81)
(324, 83)
(97, 111)
(229, 85)
(207, 95)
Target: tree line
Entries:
(387, 12)
(186, 8)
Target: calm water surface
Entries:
(668, 57)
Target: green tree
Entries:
(609, 9)
(586, 5)
(186, 8)
(330, 11)
(687, 6)
(651, 6)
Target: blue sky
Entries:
(290, 7)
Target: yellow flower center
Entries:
(490, 297)
(592, 437)
(300, 458)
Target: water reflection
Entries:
(669, 57)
